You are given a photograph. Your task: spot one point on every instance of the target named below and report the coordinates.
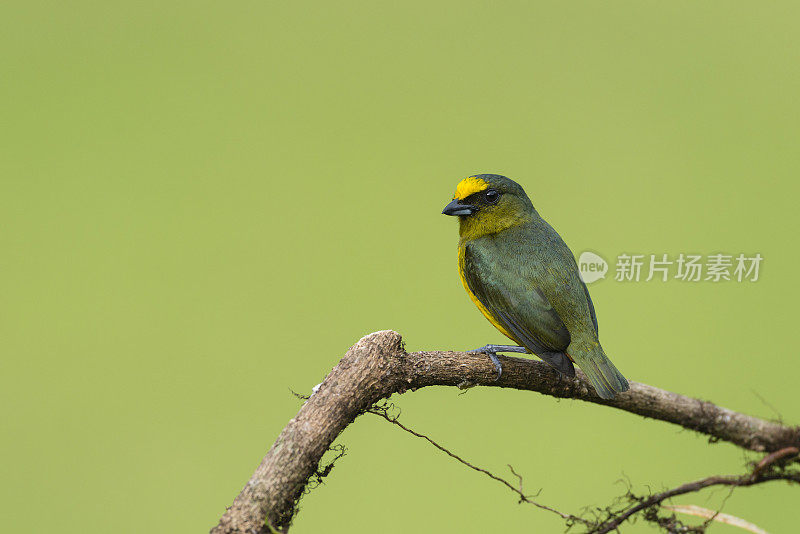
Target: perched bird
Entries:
(523, 277)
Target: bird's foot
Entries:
(492, 351)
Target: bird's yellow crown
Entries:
(470, 186)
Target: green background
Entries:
(204, 204)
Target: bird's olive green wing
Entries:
(591, 307)
(511, 297)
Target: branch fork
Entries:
(377, 366)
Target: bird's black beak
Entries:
(457, 208)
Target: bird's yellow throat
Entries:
(488, 221)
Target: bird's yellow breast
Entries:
(485, 311)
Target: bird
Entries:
(522, 276)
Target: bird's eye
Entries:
(492, 196)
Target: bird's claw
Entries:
(497, 365)
(491, 350)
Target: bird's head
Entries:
(488, 203)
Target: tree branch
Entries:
(377, 367)
(756, 477)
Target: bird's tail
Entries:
(605, 378)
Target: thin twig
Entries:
(758, 476)
(382, 411)
(776, 456)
